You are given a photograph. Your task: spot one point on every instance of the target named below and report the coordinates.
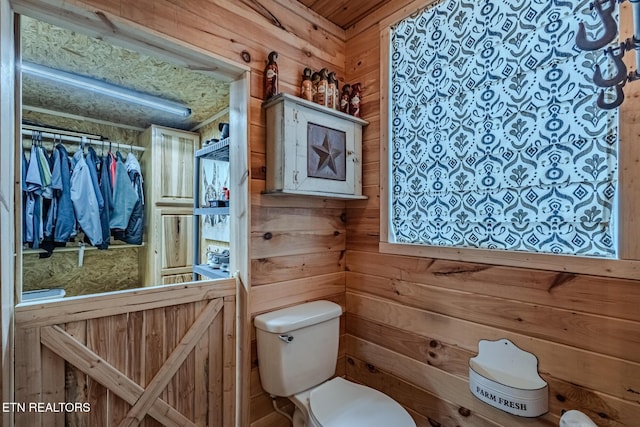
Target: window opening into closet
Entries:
(109, 186)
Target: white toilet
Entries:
(297, 353)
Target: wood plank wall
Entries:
(297, 243)
(413, 323)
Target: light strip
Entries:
(104, 88)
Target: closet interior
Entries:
(109, 185)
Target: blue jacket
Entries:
(61, 215)
(85, 202)
(106, 191)
(135, 230)
(33, 203)
(124, 198)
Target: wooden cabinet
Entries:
(312, 150)
(169, 191)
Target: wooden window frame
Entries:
(627, 265)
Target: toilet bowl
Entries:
(342, 403)
(297, 354)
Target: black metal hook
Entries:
(621, 68)
(610, 28)
(616, 101)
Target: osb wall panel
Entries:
(101, 271)
(302, 39)
(413, 323)
(72, 51)
(114, 134)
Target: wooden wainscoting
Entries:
(150, 357)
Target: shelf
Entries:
(313, 106)
(326, 195)
(211, 273)
(216, 151)
(211, 211)
(76, 248)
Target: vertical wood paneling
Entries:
(76, 380)
(182, 353)
(117, 356)
(215, 390)
(155, 341)
(53, 386)
(201, 372)
(97, 341)
(28, 365)
(185, 377)
(229, 366)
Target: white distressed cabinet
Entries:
(312, 150)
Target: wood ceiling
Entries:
(343, 13)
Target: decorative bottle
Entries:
(331, 90)
(344, 98)
(354, 101)
(271, 76)
(321, 93)
(306, 89)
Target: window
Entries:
(495, 138)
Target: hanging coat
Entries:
(106, 190)
(124, 200)
(33, 206)
(85, 202)
(92, 163)
(25, 165)
(135, 229)
(62, 216)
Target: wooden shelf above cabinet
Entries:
(312, 150)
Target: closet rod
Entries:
(68, 136)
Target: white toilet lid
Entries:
(341, 403)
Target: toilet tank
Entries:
(297, 346)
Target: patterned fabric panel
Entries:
(496, 138)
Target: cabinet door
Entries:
(177, 278)
(175, 166)
(176, 244)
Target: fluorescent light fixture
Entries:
(82, 82)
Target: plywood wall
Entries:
(413, 323)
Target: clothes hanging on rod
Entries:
(73, 137)
(63, 195)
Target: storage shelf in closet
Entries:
(76, 248)
(213, 151)
(211, 273)
(211, 211)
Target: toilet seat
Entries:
(341, 403)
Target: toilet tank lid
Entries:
(298, 316)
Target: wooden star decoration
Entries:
(328, 155)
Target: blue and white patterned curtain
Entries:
(496, 139)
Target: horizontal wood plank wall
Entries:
(413, 323)
(297, 243)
